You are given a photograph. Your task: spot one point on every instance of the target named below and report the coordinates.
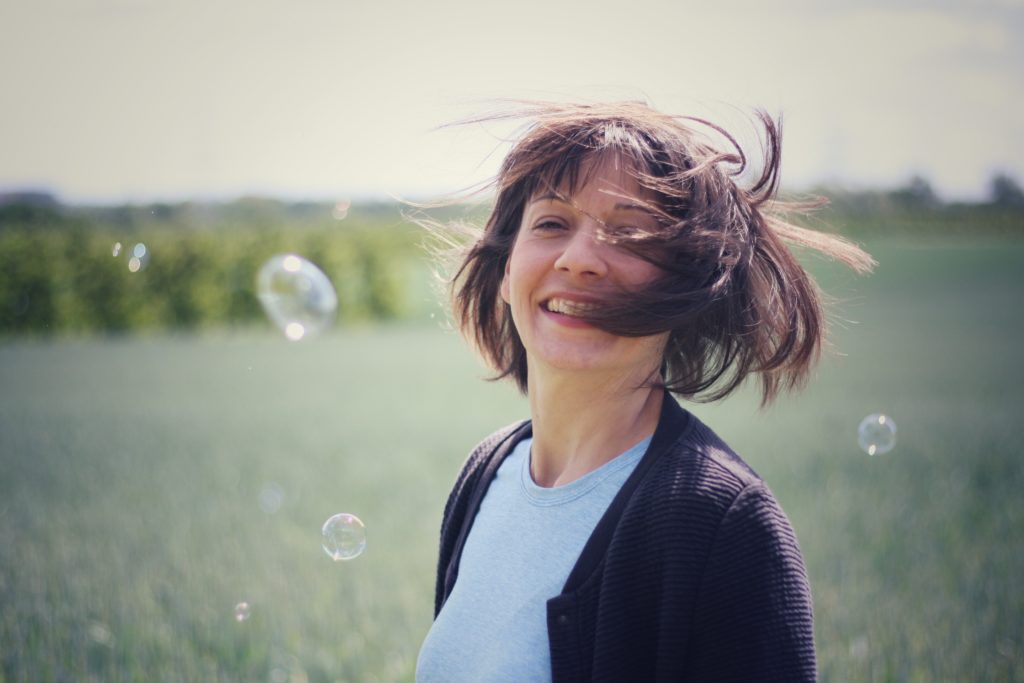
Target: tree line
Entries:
(64, 269)
(61, 269)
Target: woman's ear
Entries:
(504, 284)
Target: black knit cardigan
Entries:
(692, 574)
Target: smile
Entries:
(574, 309)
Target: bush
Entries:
(58, 277)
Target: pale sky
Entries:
(113, 100)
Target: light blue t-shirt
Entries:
(523, 543)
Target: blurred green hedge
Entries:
(58, 272)
(63, 276)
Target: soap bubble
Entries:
(242, 611)
(116, 250)
(138, 257)
(296, 296)
(876, 434)
(271, 498)
(344, 537)
(99, 633)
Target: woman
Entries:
(613, 536)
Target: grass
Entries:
(131, 470)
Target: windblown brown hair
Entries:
(733, 297)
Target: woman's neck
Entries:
(580, 424)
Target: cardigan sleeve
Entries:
(753, 619)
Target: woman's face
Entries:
(560, 267)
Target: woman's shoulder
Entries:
(699, 470)
(705, 451)
(701, 499)
(698, 450)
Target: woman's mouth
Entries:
(573, 309)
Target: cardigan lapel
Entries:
(673, 423)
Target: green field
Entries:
(131, 470)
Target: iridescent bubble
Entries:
(138, 257)
(242, 611)
(343, 537)
(271, 498)
(296, 296)
(116, 251)
(876, 434)
(340, 209)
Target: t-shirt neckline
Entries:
(559, 495)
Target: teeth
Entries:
(566, 307)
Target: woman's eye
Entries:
(625, 231)
(548, 225)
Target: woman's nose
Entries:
(582, 255)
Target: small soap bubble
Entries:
(138, 257)
(99, 633)
(271, 498)
(296, 296)
(116, 251)
(876, 434)
(343, 537)
(340, 210)
(242, 611)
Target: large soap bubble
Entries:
(343, 537)
(296, 296)
(876, 434)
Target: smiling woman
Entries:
(613, 536)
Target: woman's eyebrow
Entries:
(630, 206)
(549, 197)
(621, 206)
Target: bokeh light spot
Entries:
(271, 498)
(340, 210)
